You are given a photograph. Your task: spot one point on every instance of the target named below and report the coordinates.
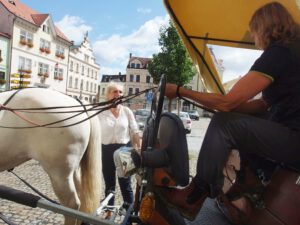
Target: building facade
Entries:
(4, 61)
(83, 74)
(39, 50)
(106, 79)
(138, 79)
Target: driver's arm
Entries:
(236, 99)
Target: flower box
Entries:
(55, 77)
(23, 42)
(46, 75)
(42, 49)
(62, 56)
(2, 81)
(24, 71)
(40, 74)
(60, 78)
(47, 50)
(29, 44)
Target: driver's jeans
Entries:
(249, 135)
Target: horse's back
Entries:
(53, 144)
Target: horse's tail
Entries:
(91, 170)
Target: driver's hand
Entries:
(171, 90)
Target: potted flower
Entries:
(42, 49)
(55, 77)
(27, 71)
(47, 50)
(46, 75)
(2, 81)
(40, 74)
(60, 78)
(62, 56)
(30, 44)
(23, 41)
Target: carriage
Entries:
(278, 202)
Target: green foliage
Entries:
(173, 60)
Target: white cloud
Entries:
(144, 10)
(236, 61)
(113, 52)
(73, 27)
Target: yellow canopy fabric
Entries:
(218, 22)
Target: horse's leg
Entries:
(65, 190)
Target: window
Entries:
(71, 65)
(91, 87)
(43, 68)
(95, 88)
(86, 58)
(77, 68)
(137, 90)
(132, 65)
(82, 70)
(58, 73)
(76, 83)
(26, 37)
(148, 78)
(44, 45)
(46, 29)
(138, 65)
(87, 86)
(88, 72)
(103, 91)
(81, 85)
(137, 78)
(130, 91)
(70, 82)
(24, 63)
(131, 78)
(60, 51)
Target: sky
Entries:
(117, 28)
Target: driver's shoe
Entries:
(188, 201)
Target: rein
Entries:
(93, 107)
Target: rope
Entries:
(112, 103)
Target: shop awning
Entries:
(217, 22)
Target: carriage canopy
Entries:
(217, 22)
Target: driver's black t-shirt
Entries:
(281, 63)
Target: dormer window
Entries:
(132, 65)
(46, 29)
(138, 65)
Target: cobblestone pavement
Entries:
(32, 172)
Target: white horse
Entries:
(71, 156)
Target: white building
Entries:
(83, 74)
(4, 60)
(39, 51)
(138, 79)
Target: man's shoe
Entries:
(188, 201)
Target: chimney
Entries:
(130, 55)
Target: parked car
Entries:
(194, 115)
(186, 120)
(141, 116)
(207, 114)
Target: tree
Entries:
(173, 60)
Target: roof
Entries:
(144, 61)
(4, 35)
(117, 78)
(24, 12)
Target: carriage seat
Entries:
(172, 153)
